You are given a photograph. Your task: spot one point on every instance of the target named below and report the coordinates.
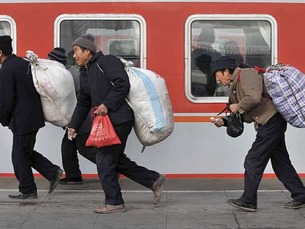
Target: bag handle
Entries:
(226, 110)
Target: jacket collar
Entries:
(95, 57)
(8, 58)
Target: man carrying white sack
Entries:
(106, 89)
(21, 111)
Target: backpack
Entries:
(54, 84)
(149, 99)
(286, 86)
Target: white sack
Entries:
(55, 85)
(149, 99)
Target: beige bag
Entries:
(55, 85)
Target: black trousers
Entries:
(270, 144)
(112, 160)
(24, 158)
(69, 150)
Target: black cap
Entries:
(223, 62)
(6, 44)
(59, 55)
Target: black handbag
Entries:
(235, 125)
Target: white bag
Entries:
(55, 85)
(149, 99)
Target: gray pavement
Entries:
(186, 203)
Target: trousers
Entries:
(270, 145)
(112, 160)
(24, 158)
(69, 150)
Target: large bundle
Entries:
(149, 99)
(55, 85)
(286, 86)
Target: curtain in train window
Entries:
(248, 42)
(116, 37)
(5, 29)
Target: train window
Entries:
(120, 35)
(8, 27)
(249, 39)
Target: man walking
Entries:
(21, 111)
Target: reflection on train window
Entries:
(248, 41)
(5, 28)
(116, 37)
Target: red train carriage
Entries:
(169, 37)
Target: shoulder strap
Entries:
(226, 110)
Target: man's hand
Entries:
(234, 107)
(101, 110)
(218, 121)
(71, 133)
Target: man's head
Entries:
(83, 48)
(58, 54)
(222, 69)
(5, 47)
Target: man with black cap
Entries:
(104, 86)
(21, 111)
(248, 97)
(69, 148)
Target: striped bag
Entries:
(286, 86)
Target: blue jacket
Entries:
(20, 105)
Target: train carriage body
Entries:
(168, 37)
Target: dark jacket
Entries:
(75, 72)
(109, 86)
(201, 59)
(20, 105)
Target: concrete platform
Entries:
(186, 203)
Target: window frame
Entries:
(222, 17)
(135, 17)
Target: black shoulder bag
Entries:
(235, 125)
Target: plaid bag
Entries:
(286, 86)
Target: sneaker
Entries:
(71, 181)
(107, 209)
(158, 188)
(295, 204)
(23, 196)
(238, 203)
(54, 182)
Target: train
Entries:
(168, 37)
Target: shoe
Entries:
(54, 182)
(295, 204)
(71, 181)
(107, 209)
(158, 188)
(23, 196)
(238, 203)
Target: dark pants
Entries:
(69, 155)
(270, 144)
(111, 161)
(24, 158)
